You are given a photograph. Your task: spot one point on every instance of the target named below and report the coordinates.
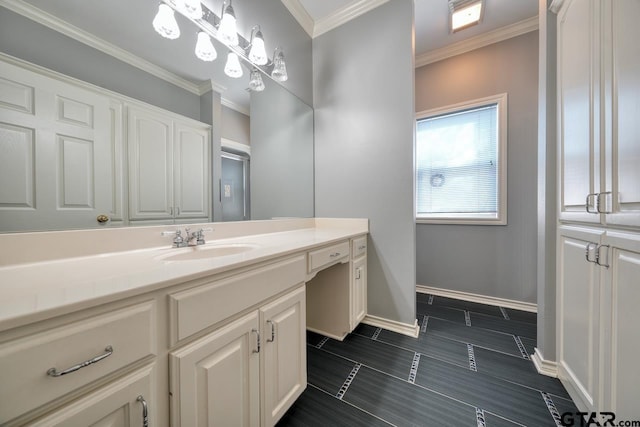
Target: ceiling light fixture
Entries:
(465, 13)
(227, 30)
(165, 23)
(257, 54)
(279, 72)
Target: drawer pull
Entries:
(145, 411)
(362, 247)
(334, 255)
(273, 332)
(53, 372)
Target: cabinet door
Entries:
(215, 380)
(118, 404)
(578, 105)
(578, 315)
(55, 153)
(358, 291)
(150, 165)
(621, 376)
(623, 130)
(191, 171)
(284, 362)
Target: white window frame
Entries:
(473, 218)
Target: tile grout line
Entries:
(322, 342)
(472, 358)
(347, 382)
(552, 408)
(375, 334)
(425, 321)
(414, 368)
(521, 347)
(480, 418)
(504, 313)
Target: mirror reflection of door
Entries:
(234, 187)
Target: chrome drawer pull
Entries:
(145, 411)
(337, 254)
(362, 247)
(273, 332)
(53, 372)
(257, 341)
(588, 203)
(590, 246)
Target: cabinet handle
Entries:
(171, 211)
(598, 257)
(598, 203)
(257, 340)
(273, 332)
(333, 255)
(177, 210)
(362, 247)
(589, 204)
(53, 372)
(145, 411)
(588, 250)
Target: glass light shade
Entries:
(466, 16)
(255, 82)
(279, 72)
(233, 68)
(193, 8)
(227, 30)
(204, 47)
(165, 23)
(258, 54)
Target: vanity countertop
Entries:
(32, 291)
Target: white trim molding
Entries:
(237, 107)
(544, 367)
(482, 299)
(482, 40)
(392, 325)
(234, 145)
(300, 14)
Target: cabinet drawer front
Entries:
(323, 257)
(359, 247)
(195, 309)
(24, 362)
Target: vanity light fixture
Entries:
(204, 47)
(192, 8)
(227, 30)
(279, 72)
(233, 68)
(257, 53)
(465, 13)
(165, 22)
(255, 81)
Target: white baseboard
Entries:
(483, 299)
(544, 367)
(392, 325)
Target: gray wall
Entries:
(363, 100)
(497, 261)
(235, 126)
(281, 155)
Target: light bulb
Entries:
(258, 54)
(193, 8)
(233, 68)
(279, 72)
(204, 47)
(165, 23)
(255, 81)
(227, 30)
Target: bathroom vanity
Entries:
(113, 326)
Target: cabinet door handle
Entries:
(590, 246)
(171, 211)
(589, 204)
(599, 203)
(362, 247)
(53, 372)
(145, 411)
(177, 210)
(334, 255)
(257, 340)
(599, 257)
(273, 331)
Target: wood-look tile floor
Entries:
(470, 366)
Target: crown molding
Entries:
(234, 106)
(209, 85)
(344, 15)
(486, 39)
(300, 14)
(29, 11)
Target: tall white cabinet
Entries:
(598, 285)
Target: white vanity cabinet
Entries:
(358, 292)
(169, 166)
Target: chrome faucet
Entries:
(178, 240)
(191, 238)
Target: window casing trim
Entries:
(474, 218)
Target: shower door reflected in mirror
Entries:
(234, 187)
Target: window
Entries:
(461, 163)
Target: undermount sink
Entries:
(207, 251)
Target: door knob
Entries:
(102, 219)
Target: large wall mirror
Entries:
(112, 46)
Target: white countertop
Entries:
(38, 290)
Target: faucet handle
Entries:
(200, 235)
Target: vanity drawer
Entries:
(359, 247)
(26, 363)
(323, 257)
